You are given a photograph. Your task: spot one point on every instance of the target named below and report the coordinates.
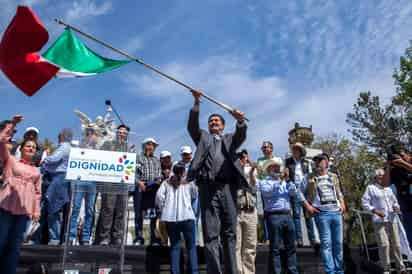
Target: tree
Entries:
(374, 125)
(380, 126)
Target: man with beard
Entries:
(218, 174)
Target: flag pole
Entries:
(148, 66)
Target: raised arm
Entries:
(6, 134)
(240, 134)
(193, 123)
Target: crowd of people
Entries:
(216, 184)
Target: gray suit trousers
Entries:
(219, 220)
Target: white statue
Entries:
(104, 127)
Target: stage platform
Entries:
(89, 259)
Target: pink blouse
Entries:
(21, 190)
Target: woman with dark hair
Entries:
(19, 196)
(174, 199)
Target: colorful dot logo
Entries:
(129, 167)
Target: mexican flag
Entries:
(67, 57)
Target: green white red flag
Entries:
(67, 57)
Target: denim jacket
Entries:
(57, 161)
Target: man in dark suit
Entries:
(219, 175)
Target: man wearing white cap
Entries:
(32, 133)
(148, 178)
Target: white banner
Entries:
(101, 166)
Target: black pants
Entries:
(219, 217)
(111, 219)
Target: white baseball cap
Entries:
(165, 153)
(35, 129)
(75, 143)
(150, 140)
(186, 149)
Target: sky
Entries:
(280, 62)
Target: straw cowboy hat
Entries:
(299, 146)
(271, 162)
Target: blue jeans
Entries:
(86, 190)
(55, 226)
(196, 210)
(138, 216)
(12, 228)
(329, 224)
(311, 230)
(281, 227)
(175, 229)
(296, 212)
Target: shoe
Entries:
(85, 243)
(299, 243)
(138, 243)
(54, 242)
(104, 242)
(117, 242)
(316, 247)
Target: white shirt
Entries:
(380, 198)
(299, 176)
(176, 203)
(325, 197)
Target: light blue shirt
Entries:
(58, 160)
(276, 194)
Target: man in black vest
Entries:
(219, 175)
(299, 168)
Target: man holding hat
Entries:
(148, 178)
(323, 199)
(218, 174)
(299, 168)
(276, 194)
